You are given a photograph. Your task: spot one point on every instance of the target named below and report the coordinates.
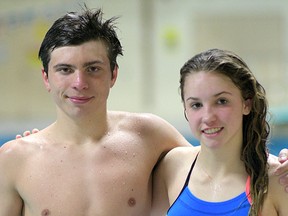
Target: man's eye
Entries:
(93, 69)
(65, 70)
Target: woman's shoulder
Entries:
(180, 156)
(277, 197)
(184, 151)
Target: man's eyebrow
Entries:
(63, 65)
(72, 66)
(93, 62)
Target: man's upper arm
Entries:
(160, 201)
(10, 201)
(167, 133)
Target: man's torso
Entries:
(110, 177)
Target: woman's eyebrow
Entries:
(223, 92)
(215, 95)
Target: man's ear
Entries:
(114, 76)
(46, 80)
(247, 106)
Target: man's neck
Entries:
(81, 130)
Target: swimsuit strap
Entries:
(247, 190)
(189, 174)
(186, 182)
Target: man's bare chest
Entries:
(92, 184)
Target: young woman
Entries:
(226, 108)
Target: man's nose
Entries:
(80, 81)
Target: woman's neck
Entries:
(217, 163)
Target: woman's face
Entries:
(214, 108)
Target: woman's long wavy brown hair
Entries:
(255, 125)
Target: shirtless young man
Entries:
(90, 161)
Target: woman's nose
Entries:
(209, 116)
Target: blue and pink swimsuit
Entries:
(187, 204)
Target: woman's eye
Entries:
(196, 105)
(222, 101)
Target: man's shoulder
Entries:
(133, 115)
(11, 155)
(20, 148)
(136, 120)
(11, 147)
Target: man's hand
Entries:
(282, 170)
(27, 133)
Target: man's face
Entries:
(80, 78)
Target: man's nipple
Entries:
(45, 212)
